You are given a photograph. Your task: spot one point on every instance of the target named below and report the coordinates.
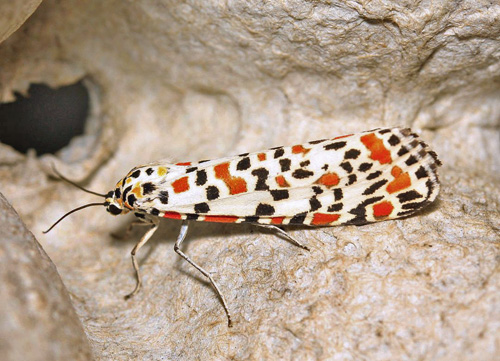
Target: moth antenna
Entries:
(74, 184)
(73, 211)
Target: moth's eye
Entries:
(114, 210)
(110, 194)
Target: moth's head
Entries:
(114, 203)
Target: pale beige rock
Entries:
(37, 319)
(13, 14)
(201, 79)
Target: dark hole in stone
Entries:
(46, 120)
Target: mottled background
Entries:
(201, 79)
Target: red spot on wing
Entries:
(382, 209)
(172, 215)
(180, 185)
(282, 181)
(329, 179)
(377, 148)
(183, 163)
(236, 185)
(261, 156)
(277, 220)
(400, 182)
(296, 149)
(221, 219)
(343, 136)
(324, 218)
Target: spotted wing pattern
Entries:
(353, 179)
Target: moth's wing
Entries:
(375, 175)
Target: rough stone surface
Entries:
(14, 14)
(200, 79)
(37, 319)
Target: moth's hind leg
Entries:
(153, 223)
(283, 233)
(180, 238)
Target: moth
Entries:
(376, 175)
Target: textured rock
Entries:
(201, 79)
(37, 319)
(14, 14)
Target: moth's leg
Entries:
(180, 238)
(153, 223)
(283, 233)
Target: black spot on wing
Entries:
(421, 173)
(298, 218)
(252, 219)
(314, 203)
(335, 146)
(279, 152)
(192, 217)
(125, 192)
(335, 207)
(317, 141)
(163, 196)
(352, 154)
(264, 210)
(148, 188)
(285, 164)
(363, 167)
(201, 177)
(302, 173)
(191, 169)
(243, 164)
(212, 193)
(374, 175)
(346, 166)
(117, 193)
(149, 171)
(317, 190)
(131, 199)
(201, 208)
(374, 187)
(337, 192)
(279, 194)
(305, 163)
(136, 174)
(352, 178)
(383, 131)
(394, 140)
(409, 196)
(411, 160)
(261, 174)
(154, 211)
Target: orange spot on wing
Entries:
(137, 191)
(296, 149)
(180, 185)
(172, 215)
(221, 219)
(162, 171)
(277, 220)
(261, 156)
(400, 182)
(329, 179)
(282, 181)
(183, 163)
(236, 185)
(377, 148)
(382, 209)
(324, 218)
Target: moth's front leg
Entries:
(153, 223)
